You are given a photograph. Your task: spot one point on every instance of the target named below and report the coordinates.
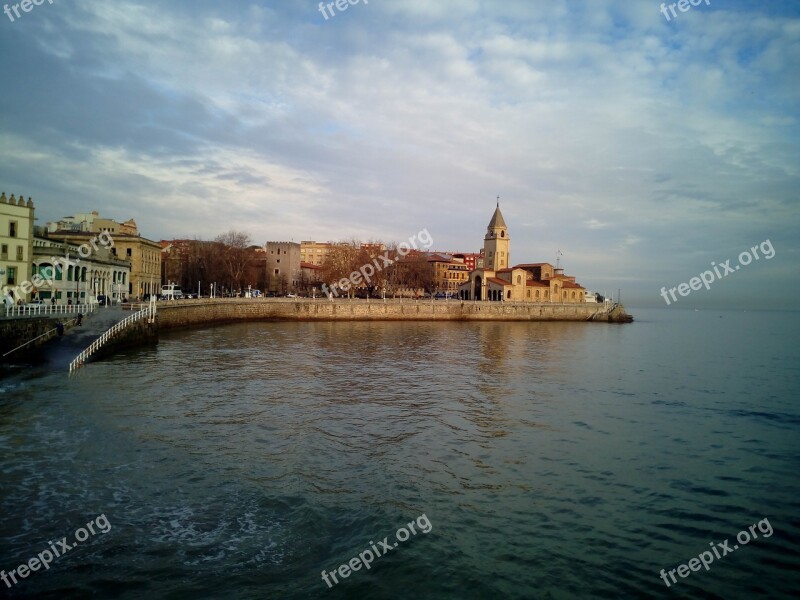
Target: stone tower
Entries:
(496, 242)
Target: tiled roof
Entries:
(497, 281)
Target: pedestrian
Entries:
(53, 300)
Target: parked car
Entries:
(34, 303)
(291, 295)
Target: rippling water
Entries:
(553, 460)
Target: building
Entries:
(310, 276)
(313, 252)
(143, 255)
(526, 282)
(473, 260)
(67, 274)
(283, 266)
(92, 223)
(449, 272)
(16, 246)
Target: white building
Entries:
(66, 273)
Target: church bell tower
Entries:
(496, 242)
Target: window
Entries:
(20, 253)
(12, 229)
(129, 252)
(11, 276)
(4, 251)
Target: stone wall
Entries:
(187, 313)
(15, 332)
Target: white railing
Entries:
(146, 313)
(43, 310)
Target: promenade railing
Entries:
(45, 310)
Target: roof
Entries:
(497, 219)
(528, 265)
(569, 284)
(438, 257)
(533, 283)
(497, 281)
(308, 265)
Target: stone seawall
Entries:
(187, 313)
(15, 332)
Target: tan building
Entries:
(448, 272)
(529, 282)
(283, 266)
(314, 253)
(16, 246)
(92, 222)
(143, 255)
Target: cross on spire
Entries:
(498, 202)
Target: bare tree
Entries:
(235, 255)
(341, 260)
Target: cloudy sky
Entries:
(642, 148)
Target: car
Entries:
(291, 295)
(34, 303)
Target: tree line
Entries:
(233, 262)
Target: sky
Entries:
(641, 147)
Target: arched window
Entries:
(519, 279)
(508, 294)
(573, 295)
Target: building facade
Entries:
(284, 274)
(92, 222)
(16, 246)
(143, 255)
(65, 275)
(314, 253)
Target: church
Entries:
(498, 281)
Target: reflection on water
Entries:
(555, 460)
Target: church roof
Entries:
(498, 281)
(497, 219)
